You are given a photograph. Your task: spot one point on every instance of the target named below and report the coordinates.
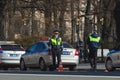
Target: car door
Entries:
(40, 53)
(118, 56)
(115, 56)
(30, 55)
(115, 59)
(37, 54)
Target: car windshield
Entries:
(12, 47)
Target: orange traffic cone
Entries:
(60, 68)
(106, 70)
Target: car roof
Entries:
(9, 44)
(62, 42)
(6, 42)
(48, 41)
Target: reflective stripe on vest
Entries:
(94, 39)
(56, 42)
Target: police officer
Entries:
(93, 42)
(56, 48)
(80, 46)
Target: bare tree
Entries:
(48, 17)
(117, 19)
(54, 12)
(2, 6)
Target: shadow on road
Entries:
(85, 72)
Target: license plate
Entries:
(66, 53)
(14, 55)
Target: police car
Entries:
(10, 54)
(39, 56)
(113, 59)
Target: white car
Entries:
(10, 54)
(38, 55)
(113, 59)
(105, 52)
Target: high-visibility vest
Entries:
(56, 41)
(92, 39)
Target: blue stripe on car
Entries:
(1, 51)
(46, 50)
(113, 52)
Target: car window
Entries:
(48, 43)
(66, 45)
(12, 47)
(41, 46)
(32, 48)
(117, 47)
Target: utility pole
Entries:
(32, 17)
(72, 23)
(77, 21)
(102, 23)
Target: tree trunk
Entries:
(48, 15)
(61, 17)
(117, 18)
(2, 37)
(2, 6)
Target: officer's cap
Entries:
(56, 31)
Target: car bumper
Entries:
(9, 62)
(70, 62)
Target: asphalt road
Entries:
(82, 72)
(86, 66)
(54, 75)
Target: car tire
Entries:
(42, 65)
(72, 68)
(109, 65)
(22, 65)
(5, 68)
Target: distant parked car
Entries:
(113, 59)
(100, 56)
(10, 54)
(105, 52)
(38, 55)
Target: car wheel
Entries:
(109, 65)
(5, 68)
(22, 65)
(72, 68)
(42, 65)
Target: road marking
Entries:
(51, 75)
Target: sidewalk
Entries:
(86, 66)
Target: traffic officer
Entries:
(93, 42)
(56, 48)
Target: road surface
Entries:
(54, 75)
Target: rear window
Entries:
(12, 48)
(66, 45)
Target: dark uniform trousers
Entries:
(93, 57)
(56, 53)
